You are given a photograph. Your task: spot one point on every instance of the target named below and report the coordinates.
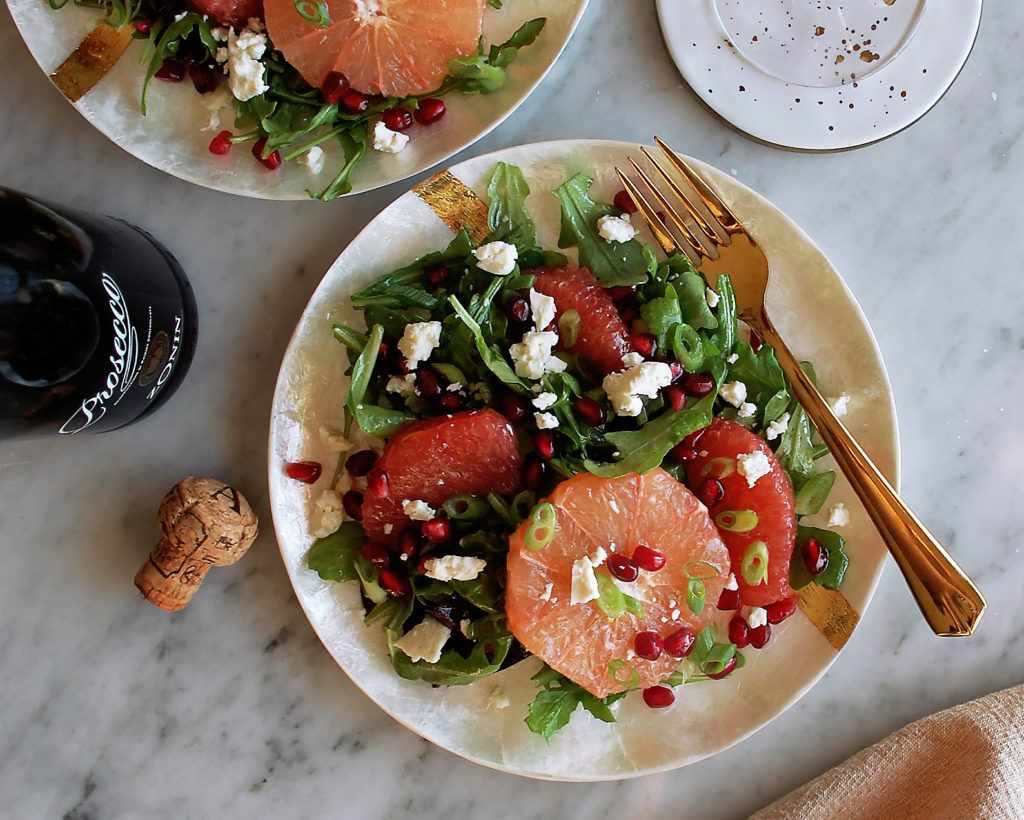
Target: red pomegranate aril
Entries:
(624, 202)
(730, 599)
(680, 643)
(172, 71)
(589, 411)
(739, 631)
(725, 670)
(676, 396)
(430, 109)
(450, 401)
(648, 559)
(676, 368)
(698, 385)
(646, 344)
(436, 275)
(397, 118)
(221, 143)
(648, 645)
(305, 471)
(622, 567)
(759, 635)
(271, 160)
(334, 86)
(352, 503)
(359, 464)
(437, 530)
(533, 471)
(710, 492)
(376, 554)
(815, 556)
(393, 584)
(620, 293)
(544, 443)
(755, 342)
(421, 563)
(514, 407)
(628, 314)
(517, 308)
(682, 453)
(658, 697)
(691, 440)
(780, 610)
(204, 78)
(354, 102)
(143, 26)
(377, 483)
(408, 542)
(429, 384)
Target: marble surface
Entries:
(110, 708)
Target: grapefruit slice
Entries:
(390, 47)
(746, 514)
(467, 453)
(581, 640)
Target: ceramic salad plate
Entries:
(706, 717)
(175, 133)
(814, 76)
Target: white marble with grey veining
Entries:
(110, 708)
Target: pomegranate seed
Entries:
(399, 363)
(429, 384)
(676, 368)
(739, 631)
(729, 666)
(620, 293)
(589, 411)
(352, 503)
(376, 554)
(517, 309)
(629, 313)
(408, 542)
(305, 471)
(759, 635)
(354, 102)
(680, 643)
(173, 71)
(624, 202)
(359, 464)
(682, 453)
(204, 78)
(221, 143)
(377, 483)
(648, 559)
(710, 492)
(646, 344)
(730, 599)
(393, 584)
(143, 26)
(533, 471)
(622, 567)
(437, 530)
(780, 610)
(436, 275)
(692, 439)
(755, 342)
(421, 563)
(430, 110)
(397, 118)
(514, 407)
(676, 396)
(658, 697)
(272, 160)
(648, 645)
(450, 401)
(544, 443)
(335, 84)
(815, 556)
(698, 385)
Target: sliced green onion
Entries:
(613, 672)
(687, 347)
(675, 679)
(500, 506)
(522, 505)
(468, 507)
(696, 594)
(634, 606)
(736, 520)
(705, 568)
(450, 372)
(569, 327)
(754, 567)
(313, 12)
(610, 599)
(719, 467)
(543, 521)
(718, 658)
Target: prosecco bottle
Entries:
(98, 322)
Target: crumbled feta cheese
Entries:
(544, 400)
(386, 140)
(498, 699)
(219, 33)
(419, 340)
(546, 595)
(333, 440)
(734, 392)
(840, 405)
(631, 359)
(753, 466)
(330, 512)
(254, 24)
(545, 421)
(418, 510)
(757, 617)
(584, 582)
(711, 297)
(598, 557)
(532, 356)
(839, 515)
(221, 54)
(245, 71)
(180, 16)
(777, 428)
(404, 385)
(747, 410)
(313, 159)
(542, 307)
(625, 387)
(615, 228)
(732, 358)
(731, 583)
(455, 387)
(498, 258)
(425, 641)
(454, 567)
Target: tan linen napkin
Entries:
(965, 762)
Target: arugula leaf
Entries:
(451, 669)
(838, 561)
(796, 451)
(507, 216)
(662, 314)
(550, 710)
(693, 301)
(333, 557)
(811, 496)
(489, 354)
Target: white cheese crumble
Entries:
(419, 340)
(333, 440)
(840, 404)
(404, 385)
(734, 392)
(747, 410)
(542, 307)
(753, 466)
(454, 567)
(418, 510)
(456, 387)
(757, 617)
(544, 400)
(615, 228)
(598, 557)
(545, 421)
(631, 359)
(546, 595)
(330, 513)
(245, 71)
(386, 140)
(777, 428)
(711, 297)
(313, 159)
(533, 357)
(425, 641)
(731, 583)
(584, 582)
(498, 258)
(625, 387)
(839, 515)
(732, 358)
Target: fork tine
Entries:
(700, 247)
(703, 218)
(654, 222)
(718, 209)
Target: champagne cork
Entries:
(205, 523)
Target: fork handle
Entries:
(949, 600)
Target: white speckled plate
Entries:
(813, 309)
(819, 76)
(174, 136)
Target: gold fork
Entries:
(716, 242)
